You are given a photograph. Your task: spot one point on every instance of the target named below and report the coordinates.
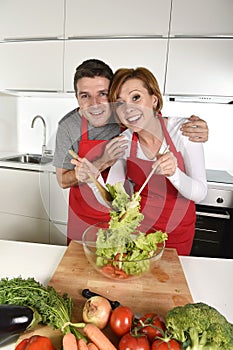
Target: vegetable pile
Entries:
(195, 326)
(53, 308)
(121, 252)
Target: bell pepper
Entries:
(35, 342)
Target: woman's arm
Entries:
(192, 183)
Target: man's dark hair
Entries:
(92, 68)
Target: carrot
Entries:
(69, 342)
(97, 337)
(82, 344)
(92, 346)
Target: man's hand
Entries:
(82, 169)
(196, 129)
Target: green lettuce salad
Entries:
(122, 244)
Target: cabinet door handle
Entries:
(214, 215)
(201, 36)
(31, 39)
(112, 37)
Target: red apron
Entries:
(84, 208)
(162, 205)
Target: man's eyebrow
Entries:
(82, 92)
(87, 93)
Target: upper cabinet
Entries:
(200, 67)
(31, 19)
(31, 65)
(201, 49)
(150, 53)
(117, 18)
(187, 44)
(202, 18)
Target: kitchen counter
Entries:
(26, 166)
(210, 280)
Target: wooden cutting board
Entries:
(160, 290)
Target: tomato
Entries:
(154, 326)
(161, 344)
(130, 342)
(121, 320)
(35, 342)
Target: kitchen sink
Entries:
(28, 158)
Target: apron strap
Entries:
(166, 134)
(84, 135)
(133, 148)
(169, 141)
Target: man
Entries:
(92, 132)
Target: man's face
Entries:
(92, 96)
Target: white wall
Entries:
(17, 134)
(8, 123)
(52, 109)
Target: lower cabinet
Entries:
(58, 211)
(23, 209)
(58, 233)
(33, 207)
(23, 228)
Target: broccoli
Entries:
(199, 327)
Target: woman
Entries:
(179, 180)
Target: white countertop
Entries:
(210, 280)
(26, 166)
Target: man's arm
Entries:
(66, 178)
(196, 129)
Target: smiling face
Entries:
(135, 106)
(92, 96)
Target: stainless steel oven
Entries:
(214, 223)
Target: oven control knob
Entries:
(219, 200)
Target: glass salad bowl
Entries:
(121, 255)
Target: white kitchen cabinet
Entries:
(200, 67)
(31, 19)
(59, 199)
(24, 228)
(58, 233)
(202, 18)
(150, 53)
(23, 199)
(22, 192)
(126, 18)
(31, 65)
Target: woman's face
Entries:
(134, 105)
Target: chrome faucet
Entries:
(44, 132)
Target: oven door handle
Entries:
(214, 215)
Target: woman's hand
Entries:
(114, 150)
(196, 129)
(165, 164)
(83, 168)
